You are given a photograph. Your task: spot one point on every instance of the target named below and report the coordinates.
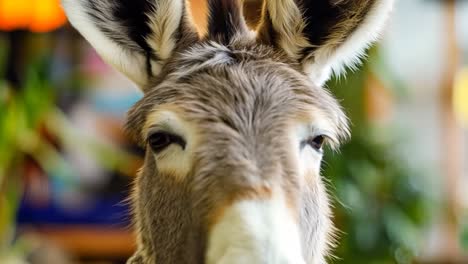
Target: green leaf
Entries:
(464, 236)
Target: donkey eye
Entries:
(158, 141)
(316, 142)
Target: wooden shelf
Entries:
(88, 241)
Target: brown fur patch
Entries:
(251, 193)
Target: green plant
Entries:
(383, 206)
(28, 117)
(464, 234)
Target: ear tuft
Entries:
(136, 37)
(361, 25)
(325, 35)
(225, 20)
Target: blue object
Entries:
(103, 211)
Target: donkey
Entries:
(233, 122)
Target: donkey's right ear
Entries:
(135, 37)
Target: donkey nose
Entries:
(262, 231)
(237, 256)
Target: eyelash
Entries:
(316, 142)
(158, 141)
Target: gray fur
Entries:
(242, 92)
(243, 106)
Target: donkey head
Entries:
(233, 122)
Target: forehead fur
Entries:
(246, 86)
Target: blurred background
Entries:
(400, 185)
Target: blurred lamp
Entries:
(460, 96)
(32, 15)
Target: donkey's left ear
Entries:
(324, 35)
(136, 37)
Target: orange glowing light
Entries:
(33, 15)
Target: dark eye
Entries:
(158, 141)
(316, 142)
